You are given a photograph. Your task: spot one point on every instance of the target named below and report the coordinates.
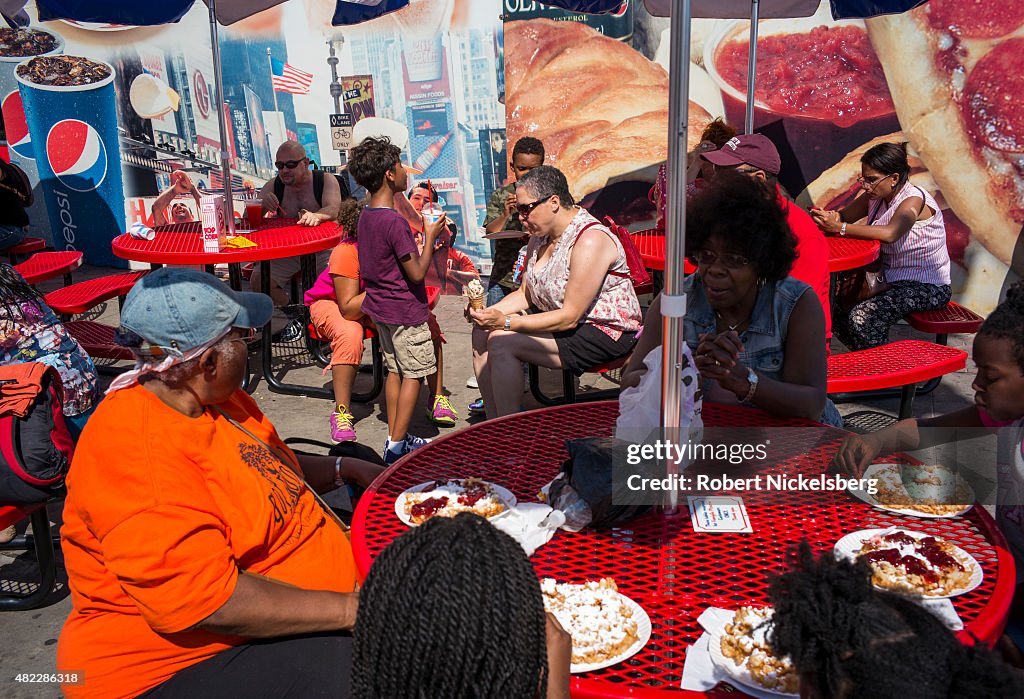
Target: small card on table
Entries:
(718, 514)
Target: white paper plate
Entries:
(99, 26)
(850, 545)
(738, 673)
(504, 493)
(643, 632)
(891, 474)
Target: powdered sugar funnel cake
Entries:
(606, 627)
(743, 653)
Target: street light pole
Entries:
(336, 89)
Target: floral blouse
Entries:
(614, 310)
(38, 336)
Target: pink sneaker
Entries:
(443, 413)
(342, 429)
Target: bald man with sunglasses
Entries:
(298, 201)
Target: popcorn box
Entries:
(211, 213)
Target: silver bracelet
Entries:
(338, 480)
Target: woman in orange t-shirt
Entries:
(199, 560)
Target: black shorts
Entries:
(585, 347)
(296, 667)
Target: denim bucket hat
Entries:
(176, 310)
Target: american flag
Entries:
(288, 78)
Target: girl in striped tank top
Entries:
(914, 260)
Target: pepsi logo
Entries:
(18, 138)
(622, 9)
(76, 155)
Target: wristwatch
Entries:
(752, 380)
(508, 323)
(842, 229)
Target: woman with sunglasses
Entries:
(576, 307)
(914, 261)
(756, 333)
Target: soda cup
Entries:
(36, 42)
(211, 213)
(73, 128)
(517, 271)
(253, 214)
(432, 213)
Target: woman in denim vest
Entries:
(756, 335)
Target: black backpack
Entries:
(318, 186)
(35, 450)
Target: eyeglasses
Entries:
(289, 164)
(732, 260)
(870, 183)
(524, 210)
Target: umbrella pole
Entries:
(218, 80)
(673, 301)
(755, 13)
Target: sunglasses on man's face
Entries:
(288, 164)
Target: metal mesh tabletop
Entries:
(660, 562)
(182, 244)
(850, 253)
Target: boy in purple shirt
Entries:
(392, 271)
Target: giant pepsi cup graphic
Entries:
(74, 135)
(19, 143)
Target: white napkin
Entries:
(945, 611)
(532, 524)
(700, 673)
(141, 231)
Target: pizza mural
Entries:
(945, 77)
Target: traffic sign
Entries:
(341, 131)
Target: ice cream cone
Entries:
(476, 302)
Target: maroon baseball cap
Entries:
(752, 149)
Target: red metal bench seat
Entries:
(80, 297)
(47, 265)
(903, 364)
(952, 318)
(25, 247)
(97, 339)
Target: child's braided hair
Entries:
(451, 609)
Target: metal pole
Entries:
(336, 89)
(673, 301)
(270, 64)
(218, 80)
(755, 14)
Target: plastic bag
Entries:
(639, 418)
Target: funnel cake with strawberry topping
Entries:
(925, 565)
(449, 497)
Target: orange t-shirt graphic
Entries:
(162, 513)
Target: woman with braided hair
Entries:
(849, 640)
(453, 609)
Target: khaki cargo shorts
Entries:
(408, 350)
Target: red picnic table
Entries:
(843, 253)
(850, 253)
(660, 562)
(277, 238)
